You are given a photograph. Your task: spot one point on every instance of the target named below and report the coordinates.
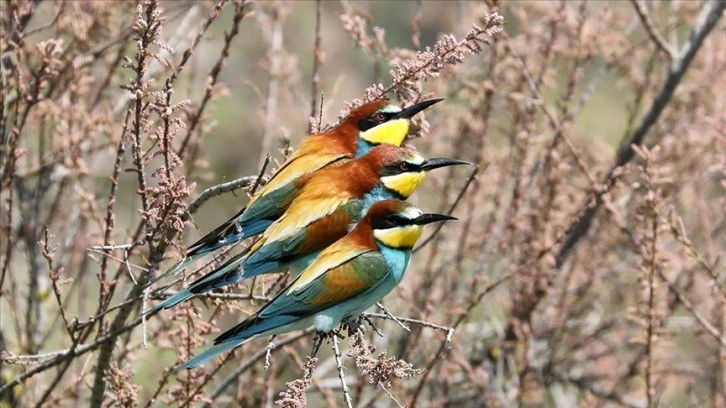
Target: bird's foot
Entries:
(317, 341)
(354, 325)
(351, 325)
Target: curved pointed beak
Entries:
(409, 112)
(429, 218)
(435, 163)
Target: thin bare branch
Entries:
(658, 39)
(341, 373)
(709, 16)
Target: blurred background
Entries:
(580, 272)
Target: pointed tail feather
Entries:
(149, 312)
(267, 267)
(172, 301)
(250, 328)
(208, 354)
(281, 261)
(255, 325)
(225, 275)
(216, 236)
(225, 235)
(174, 270)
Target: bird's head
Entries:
(398, 224)
(380, 122)
(402, 169)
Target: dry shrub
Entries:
(585, 269)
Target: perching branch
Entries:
(214, 191)
(341, 373)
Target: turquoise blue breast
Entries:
(397, 260)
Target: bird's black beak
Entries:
(435, 163)
(409, 112)
(429, 218)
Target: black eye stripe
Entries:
(365, 124)
(399, 168)
(381, 223)
(391, 221)
(373, 121)
(398, 220)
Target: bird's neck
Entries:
(396, 258)
(344, 137)
(379, 193)
(364, 147)
(357, 177)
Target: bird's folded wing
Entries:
(216, 278)
(304, 210)
(298, 165)
(213, 237)
(251, 220)
(268, 206)
(269, 203)
(352, 278)
(285, 244)
(338, 274)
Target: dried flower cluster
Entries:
(121, 392)
(295, 396)
(378, 370)
(410, 72)
(586, 267)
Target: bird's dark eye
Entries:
(405, 166)
(380, 117)
(396, 220)
(391, 221)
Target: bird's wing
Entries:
(214, 239)
(318, 197)
(333, 278)
(337, 274)
(250, 221)
(267, 205)
(298, 165)
(285, 243)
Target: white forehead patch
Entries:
(390, 109)
(416, 159)
(411, 213)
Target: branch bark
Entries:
(214, 191)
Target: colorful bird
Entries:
(347, 278)
(367, 126)
(327, 203)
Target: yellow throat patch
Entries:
(400, 237)
(392, 132)
(405, 183)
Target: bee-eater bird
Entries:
(328, 202)
(367, 126)
(346, 278)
